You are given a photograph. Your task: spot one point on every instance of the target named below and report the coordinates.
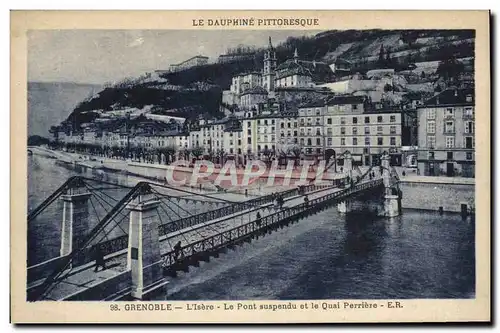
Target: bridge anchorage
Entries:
(151, 231)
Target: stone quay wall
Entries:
(431, 193)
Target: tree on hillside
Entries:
(381, 59)
(449, 69)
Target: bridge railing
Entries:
(241, 232)
(232, 209)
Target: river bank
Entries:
(419, 192)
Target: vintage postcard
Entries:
(250, 166)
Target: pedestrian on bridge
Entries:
(306, 201)
(99, 258)
(177, 250)
(257, 220)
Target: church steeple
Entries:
(296, 55)
(269, 67)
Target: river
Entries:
(419, 254)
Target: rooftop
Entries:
(452, 97)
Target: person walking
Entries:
(99, 259)
(177, 250)
(257, 219)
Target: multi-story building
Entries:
(446, 134)
(311, 131)
(350, 125)
(252, 97)
(244, 81)
(288, 133)
(197, 60)
(265, 132)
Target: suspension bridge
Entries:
(149, 232)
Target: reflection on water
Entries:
(327, 256)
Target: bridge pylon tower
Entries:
(75, 219)
(144, 258)
(392, 195)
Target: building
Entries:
(268, 74)
(229, 58)
(446, 143)
(191, 62)
(351, 124)
(251, 97)
(244, 81)
(341, 67)
(311, 131)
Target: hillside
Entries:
(196, 91)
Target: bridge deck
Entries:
(83, 277)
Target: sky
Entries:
(100, 56)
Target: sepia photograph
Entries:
(241, 164)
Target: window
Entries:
(449, 127)
(354, 120)
(259, 148)
(258, 122)
(469, 127)
(318, 112)
(265, 122)
(393, 141)
(329, 131)
(342, 120)
(468, 98)
(431, 141)
(431, 155)
(449, 112)
(342, 130)
(468, 155)
(329, 140)
(294, 133)
(342, 141)
(249, 140)
(450, 141)
(354, 131)
(354, 106)
(318, 131)
(431, 114)
(289, 125)
(318, 121)
(393, 119)
(380, 129)
(469, 112)
(367, 130)
(431, 126)
(272, 122)
(301, 142)
(392, 130)
(354, 141)
(380, 141)
(367, 120)
(449, 155)
(272, 129)
(469, 142)
(282, 125)
(367, 141)
(309, 142)
(318, 142)
(379, 119)
(329, 121)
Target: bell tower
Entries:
(269, 67)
